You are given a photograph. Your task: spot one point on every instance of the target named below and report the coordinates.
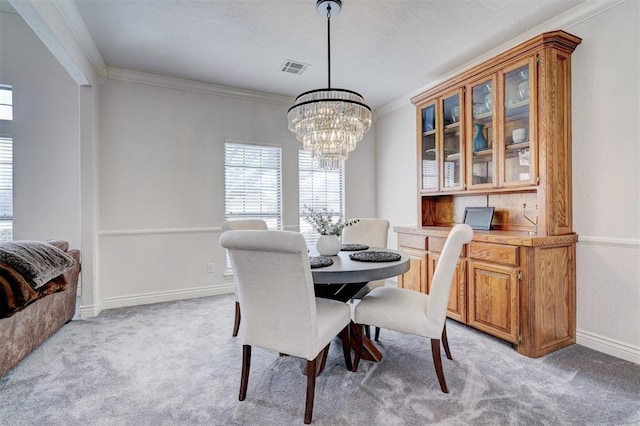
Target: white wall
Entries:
(45, 136)
(161, 162)
(606, 181)
(56, 125)
(397, 165)
(145, 203)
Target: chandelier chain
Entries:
(329, 46)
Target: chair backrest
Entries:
(443, 275)
(275, 289)
(233, 225)
(372, 232)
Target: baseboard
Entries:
(89, 311)
(148, 298)
(608, 346)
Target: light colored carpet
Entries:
(176, 364)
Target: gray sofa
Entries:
(32, 324)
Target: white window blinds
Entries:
(6, 188)
(319, 189)
(253, 183)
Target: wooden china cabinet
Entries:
(499, 135)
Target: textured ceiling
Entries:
(382, 49)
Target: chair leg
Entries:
(437, 362)
(445, 342)
(236, 323)
(321, 359)
(377, 334)
(367, 331)
(246, 364)
(311, 389)
(346, 347)
(357, 332)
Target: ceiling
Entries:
(382, 49)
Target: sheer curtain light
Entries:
(329, 122)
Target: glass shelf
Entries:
(516, 146)
(483, 153)
(483, 118)
(452, 157)
(517, 111)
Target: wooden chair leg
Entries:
(437, 362)
(346, 347)
(377, 334)
(445, 342)
(321, 359)
(357, 332)
(236, 323)
(246, 364)
(311, 389)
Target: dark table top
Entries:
(346, 271)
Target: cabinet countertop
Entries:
(516, 238)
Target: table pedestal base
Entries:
(341, 292)
(344, 293)
(369, 350)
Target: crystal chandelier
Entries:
(329, 122)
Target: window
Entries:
(6, 102)
(6, 167)
(6, 188)
(253, 183)
(319, 189)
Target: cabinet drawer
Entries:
(495, 253)
(436, 244)
(413, 241)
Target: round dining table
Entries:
(344, 270)
(345, 277)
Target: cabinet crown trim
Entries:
(558, 39)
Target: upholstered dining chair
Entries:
(231, 225)
(373, 233)
(413, 312)
(279, 309)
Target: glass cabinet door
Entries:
(517, 149)
(451, 135)
(428, 164)
(482, 131)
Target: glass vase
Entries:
(479, 141)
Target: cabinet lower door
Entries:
(493, 300)
(415, 278)
(457, 308)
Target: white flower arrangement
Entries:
(321, 220)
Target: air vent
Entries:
(293, 67)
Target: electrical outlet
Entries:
(211, 267)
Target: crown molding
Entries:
(565, 21)
(393, 106)
(132, 76)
